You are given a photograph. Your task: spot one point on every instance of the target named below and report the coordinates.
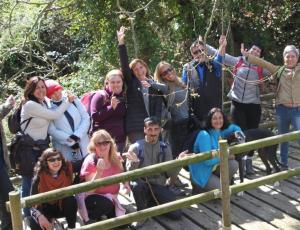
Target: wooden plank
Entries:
(276, 200)
(160, 222)
(181, 224)
(130, 207)
(240, 217)
(205, 217)
(264, 211)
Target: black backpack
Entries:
(14, 120)
(190, 141)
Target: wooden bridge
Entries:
(267, 207)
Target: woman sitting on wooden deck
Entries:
(203, 174)
(101, 162)
(52, 172)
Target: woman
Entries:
(101, 162)
(176, 102)
(143, 94)
(35, 120)
(52, 172)
(108, 108)
(245, 107)
(217, 127)
(287, 95)
(70, 131)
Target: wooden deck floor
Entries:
(267, 207)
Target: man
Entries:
(203, 78)
(5, 184)
(152, 190)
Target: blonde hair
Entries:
(111, 73)
(158, 72)
(136, 61)
(105, 136)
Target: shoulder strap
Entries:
(280, 72)
(140, 148)
(28, 121)
(237, 65)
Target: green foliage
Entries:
(75, 40)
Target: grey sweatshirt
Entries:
(241, 90)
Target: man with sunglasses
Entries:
(203, 78)
(152, 190)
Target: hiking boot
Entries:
(138, 224)
(179, 184)
(177, 191)
(249, 168)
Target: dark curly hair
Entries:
(42, 164)
(209, 116)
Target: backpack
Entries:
(86, 100)
(189, 142)
(258, 69)
(14, 120)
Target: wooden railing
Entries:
(16, 203)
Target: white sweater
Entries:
(41, 117)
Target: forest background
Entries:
(75, 41)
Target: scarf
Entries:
(47, 182)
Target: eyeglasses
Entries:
(166, 72)
(53, 159)
(102, 143)
(199, 51)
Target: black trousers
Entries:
(68, 210)
(98, 206)
(247, 116)
(144, 199)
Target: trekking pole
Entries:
(225, 192)
(15, 210)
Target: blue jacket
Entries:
(207, 141)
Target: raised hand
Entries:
(71, 97)
(185, 154)
(10, 100)
(100, 164)
(121, 35)
(223, 40)
(145, 84)
(244, 51)
(131, 156)
(114, 102)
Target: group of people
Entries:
(155, 115)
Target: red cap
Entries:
(52, 87)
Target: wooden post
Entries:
(224, 177)
(16, 210)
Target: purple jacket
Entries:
(105, 117)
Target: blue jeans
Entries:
(285, 117)
(26, 186)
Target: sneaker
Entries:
(177, 191)
(178, 183)
(284, 167)
(138, 224)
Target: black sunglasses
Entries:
(53, 159)
(200, 51)
(102, 143)
(166, 72)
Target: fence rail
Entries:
(162, 167)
